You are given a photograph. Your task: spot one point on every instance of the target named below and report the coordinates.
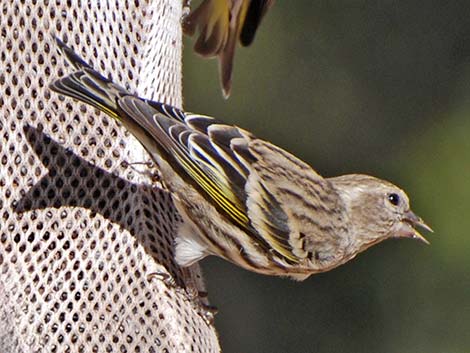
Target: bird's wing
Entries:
(254, 15)
(193, 153)
(221, 23)
(217, 160)
(212, 18)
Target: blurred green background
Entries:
(378, 87)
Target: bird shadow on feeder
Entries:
(72, 181)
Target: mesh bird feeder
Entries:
(82, 229)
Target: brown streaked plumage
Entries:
(245, 199)
(221, 24)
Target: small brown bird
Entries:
(243, 198)
(221, 23)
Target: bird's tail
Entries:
(87, 85)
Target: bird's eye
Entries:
(394, 199)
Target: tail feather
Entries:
(256, 11)
(74, 60)
(87, 85)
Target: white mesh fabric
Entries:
(80, 229)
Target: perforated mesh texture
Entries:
(80, 229)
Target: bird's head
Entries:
(378, 210)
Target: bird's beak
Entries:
(408, 224)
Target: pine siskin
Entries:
(244, 199)
(221, 23)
